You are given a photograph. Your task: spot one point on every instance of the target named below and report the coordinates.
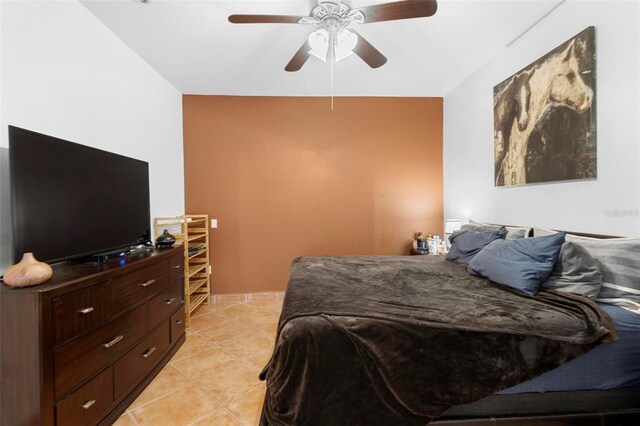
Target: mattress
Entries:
(611, 365)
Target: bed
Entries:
(407, 340)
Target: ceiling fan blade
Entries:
(299, 58)
(368, 53)
(406, 9)
(264, 19)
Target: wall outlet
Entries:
(214, 223)
(209, 269)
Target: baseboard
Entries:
(264, 296)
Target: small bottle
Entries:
(420, 240)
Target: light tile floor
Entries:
(213, 378)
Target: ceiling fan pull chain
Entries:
(332, 60)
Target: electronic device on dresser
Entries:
(78, 349)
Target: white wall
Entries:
(5, 236)
(576, 206)
(63, 73)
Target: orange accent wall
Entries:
(287, 177)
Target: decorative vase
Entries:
(165, 240)
(27, 272)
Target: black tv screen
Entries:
(70, 200)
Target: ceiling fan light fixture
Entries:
(319, 42)
(345, 42)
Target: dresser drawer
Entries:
(128, 369)
(81, 311)
(81, 358)
(86, 405)
(177, 324)
(161, 306)
(133, 288)
(176, 268)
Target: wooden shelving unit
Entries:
(192, 231)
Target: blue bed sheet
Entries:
(613, 365)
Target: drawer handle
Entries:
(169, 301)
(177, 267)
(178, 321)
(113, 342)
(88, 404)
(149, 351)
(148, 283)
(85, 311)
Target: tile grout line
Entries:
(208, 415)
(213, 345)
(190, 355)
(221, 406)
(195, 383)
(238, 398)
(128, 414)
(226, 340)
(131, 410)
(248, 364)
(199, 312)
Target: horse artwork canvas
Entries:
(544, 117)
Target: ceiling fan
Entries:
(332, 20)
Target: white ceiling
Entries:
(194, 47)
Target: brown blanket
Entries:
(398, 340)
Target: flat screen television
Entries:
(71, 200)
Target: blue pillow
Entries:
(466, 243)
(521, 264)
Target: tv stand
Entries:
(80, 348)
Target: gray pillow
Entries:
(466, 243)
(513, 232)
(520, 264)
(541, 232)
(575, 272)
(619, 260)
(475, 226)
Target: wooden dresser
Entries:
(80, 348)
